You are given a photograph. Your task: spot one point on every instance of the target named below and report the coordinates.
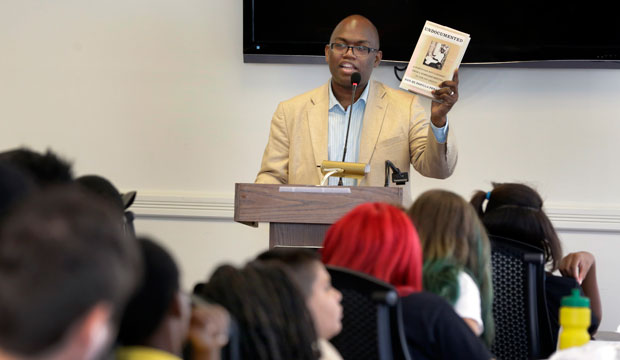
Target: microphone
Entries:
(356, 77)
(398, 177)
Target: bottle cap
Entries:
(575, 300)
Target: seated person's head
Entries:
(44, 169)
(453, 240)
(159, 314)
(309, 273)
(271, 313)
(14, 187)
(380, 240)
(103, 188)
(66, 272)
(158, 309)
(515, 211)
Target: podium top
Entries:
(305, 204)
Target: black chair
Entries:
(372, 326)
(522, 328)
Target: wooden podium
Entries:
(299, 215)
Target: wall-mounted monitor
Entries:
(522, 31)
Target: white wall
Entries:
(154, 95)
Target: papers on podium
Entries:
(437, 55)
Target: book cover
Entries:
(437, 55)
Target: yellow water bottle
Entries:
(574, 320)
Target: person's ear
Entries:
(180, 306)
(327, 53)
(378, 58)
(176, 305)
(94, 332)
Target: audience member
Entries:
(380, 240)
(102, 187)
(66, 272)
(105, 189)
(159, 318)
(515, 211)
(457, 257)
(14, 186)
(322, 299)
(44, 169)
(273, 320)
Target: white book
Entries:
(437, 55)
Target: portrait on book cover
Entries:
(436, 55)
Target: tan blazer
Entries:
(395, 128)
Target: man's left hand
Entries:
(449, 95)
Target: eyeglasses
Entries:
(355, 49)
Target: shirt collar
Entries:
(334, 102)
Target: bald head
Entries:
(357, 22)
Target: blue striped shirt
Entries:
(338, 118)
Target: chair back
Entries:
(522, 329)
(372, 326)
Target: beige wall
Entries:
(154, 95)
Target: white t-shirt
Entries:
(468, 303)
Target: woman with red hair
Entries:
(379, 239)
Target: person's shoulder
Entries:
(317, 94)
(424, 301)
(142, 353)
(428, 308)
(396, 95)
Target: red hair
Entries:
(377, 239)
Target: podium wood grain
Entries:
(299, 216)
(301, 235)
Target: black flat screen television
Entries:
(507, 32)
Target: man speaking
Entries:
(385, 124)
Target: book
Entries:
(436, 56)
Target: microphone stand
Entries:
(346, 139)
(398, 177)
